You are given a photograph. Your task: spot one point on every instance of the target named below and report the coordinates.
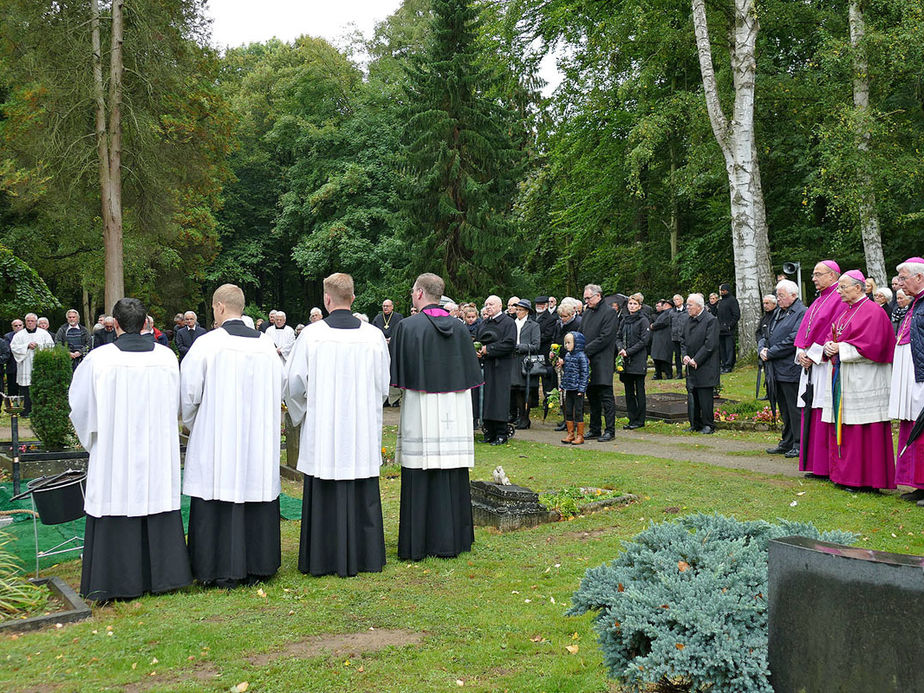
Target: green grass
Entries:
(493, 618)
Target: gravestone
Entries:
(663, 406)
(844, 618)
(507, 506)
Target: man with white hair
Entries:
(24, 345)
(270, 322)
(44, 324)
(185, 336)
(282, 335)
(776, 348)
(75, 337)
(498, 336)
(700, 354)
(315, 315)
(106, 335)
(907, 393)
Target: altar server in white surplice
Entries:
(336, 383)
(231, 399)
(24, 345)
(124, 401)
(282, 335)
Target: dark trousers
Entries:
(602, 401)
(635, 397)
(786, 394)
(495, 429)
(27, 401)
(12, 388)
(574, 406)
(678, 360)
(663, 369)
(699, 407)
(727, 350)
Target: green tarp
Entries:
(22, 534)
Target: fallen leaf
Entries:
(460, 683)
(679, 645)
(801, 493)
(682, 566)
(361, 670)
(134, 665)
(537, 638)
(794, 504)
(154, 661)
(573, 649)
(241, 687)
(575, 636)
(261, 593)
(620, 588)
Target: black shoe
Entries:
(810, 475)
(560, 426)
(522, 426)
(790, 454)
(913, 496)
(708, 430)
(628, 427)
(487, 439)
(632, 427)
(690, 429)
(678, 377)
(605, 438)
(778, 450)
(499, 441)
(657, 377)
(591, 436)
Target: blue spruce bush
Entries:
(685, 604)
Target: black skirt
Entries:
(342, 530)
(233, 543)
(436, 513)
(124, 557)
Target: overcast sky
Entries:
(247, 21)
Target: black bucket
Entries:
(59, 498)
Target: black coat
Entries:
(499, 335)
(701, 343)
(678, 319)
(102, 337)
(728, 314)
(599, 328)
(764, 323)
(662, 349)
(633, 337)
(529, 344)
(780, 344)
(379, 321)
(548, 329)
(184, 338)
(10, 362)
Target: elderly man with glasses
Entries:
(599, 324)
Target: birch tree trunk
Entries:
(869, 218)
(735, 138)
(102, 139)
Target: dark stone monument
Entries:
(844, 618)
(507, 506)
(663, 406)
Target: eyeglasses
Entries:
(819, 274)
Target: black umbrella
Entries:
(771, 389)
(915, 432)
(760, 369)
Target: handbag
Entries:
(533, 365)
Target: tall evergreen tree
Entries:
(462, 165)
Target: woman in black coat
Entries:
(632, 344)
(527, 345)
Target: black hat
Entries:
(541, 299)
(488, 336)
(725, 287)
(524, 303)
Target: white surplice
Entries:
(865, 388)
(283, 338)
(24, 355)
(436, 431)
(336, 382)
(231, 401)
(124, 406)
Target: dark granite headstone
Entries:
(664, 406)
(844, 618)
(507, 507)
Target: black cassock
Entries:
(499, 336)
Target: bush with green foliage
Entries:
(51, 378)
(684, 606)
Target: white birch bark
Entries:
(112, 237)
(869, 217)
(736, 139)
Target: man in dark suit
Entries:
(388, 319)
(599, 327)
(777, 350)
(700, 349)
(12, 388)
(185, 336)
(498, 335)
(729, 313)
(548, 327)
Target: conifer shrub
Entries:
(684, 606)
(51, 378)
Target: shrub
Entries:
(685, 606)
(18, 596)
(51, 377)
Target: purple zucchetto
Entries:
(914, 261)
(832, 265)
(855, 274)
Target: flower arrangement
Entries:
(387, 457)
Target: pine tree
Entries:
(461, 162)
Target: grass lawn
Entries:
(492, 619)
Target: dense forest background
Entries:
(430, 146)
